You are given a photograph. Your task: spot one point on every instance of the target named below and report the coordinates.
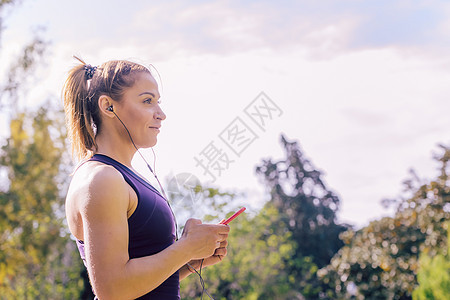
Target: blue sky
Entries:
(208, 26)
(363, 85)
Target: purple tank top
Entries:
(151, 227)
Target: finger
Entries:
(221, 252)
(193, 222)
(223, 244)
(221, 228)
(223, 237)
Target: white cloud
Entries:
(363, 114)
(363, 117)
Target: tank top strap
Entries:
(130, 176)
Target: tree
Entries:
(381, 260)
(307, 209)
(255, 266)
(37, 256)
(276, 253)
(434, 274)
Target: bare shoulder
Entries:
(97, 191)
(97, 182)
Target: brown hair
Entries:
(81, 96)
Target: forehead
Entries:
(144, 83)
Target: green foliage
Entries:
(433, 278)
(380, 261)
(434, 274)
(255, 267)
(276, 253)
(37, 258)
(37, 255)
(307, 210)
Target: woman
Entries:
(124, 228)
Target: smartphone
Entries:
(233, 216)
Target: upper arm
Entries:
(105, 224)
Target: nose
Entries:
(160, 114)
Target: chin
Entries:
(149, 144)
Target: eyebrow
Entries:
(148, 93)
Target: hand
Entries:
(217, 257)
(205, 241)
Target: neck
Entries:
(116, 147)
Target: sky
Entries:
(362, 86)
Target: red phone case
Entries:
(233, 216)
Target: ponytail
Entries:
(78, 113)
(81, 91)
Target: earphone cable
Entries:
(151, 170)
(202, 282)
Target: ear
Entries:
(104, 102)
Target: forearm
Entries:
(138, 276)
(191, 267)
(185, 271)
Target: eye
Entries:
(149, 101)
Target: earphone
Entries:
(110, 108)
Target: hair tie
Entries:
(89, 71)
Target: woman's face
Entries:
(140, 111)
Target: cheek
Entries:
(141, 124)
(138, 118)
